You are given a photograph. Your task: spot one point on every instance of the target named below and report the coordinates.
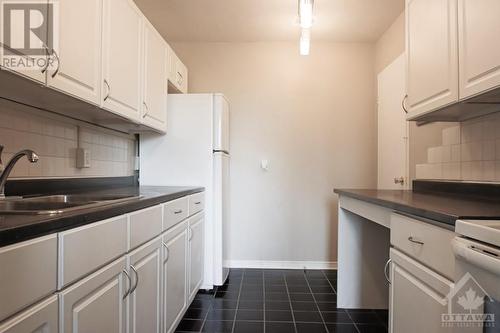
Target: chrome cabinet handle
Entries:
(403, 104)
(197, 202)
(136, 279)
(385, 271)
(168, 251)
(48, 56)
(413, 240)
(129, 283)
(180, 79)
(178, 212)
(147, 110)
(109, 90)
(58, 63)
(190, 230)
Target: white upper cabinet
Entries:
(432, 55)
(479, 28)
(78, 59)
(178, 72)
(154, 106)
(122, 58)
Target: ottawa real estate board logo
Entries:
(470, 306)
(29, 35)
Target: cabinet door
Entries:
(154, 107)
(417, 297)
(121, 84)
(478, 30)
(79, 69)
(40, 318)
(432, 55)
(145, 271)
(175, 271)
(196, 236)
(97, 303)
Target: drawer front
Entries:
(85, 249)
(429, 244)
(144, 225)
(42, 317)
(174, 212)
(196, 203)
(28, 273)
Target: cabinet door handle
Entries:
(178, 212)
(147, 110)
(385, 270)
(129, 283)
(136, 279)
(168, 251)
(58, 63)
(403, 104)
(180, 79)
(108, 91)
(190, 230)
(413, 240)
(197, 202)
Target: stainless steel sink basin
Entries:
(58, 204)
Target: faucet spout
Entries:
(30, 155)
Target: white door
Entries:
(221, 123)
(392, 127)
(145, 266)
(78, 71)
(432, 55)
(96, 303)
(478, 31)
(154, 106)
(196, 241)
(221, 216)
(122, 33)
(40, 318)
(175, 276)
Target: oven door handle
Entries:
(478, 255)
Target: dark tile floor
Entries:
(278, 301)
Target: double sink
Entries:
(58, 204)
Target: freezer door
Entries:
(221, 216)
(221, 123)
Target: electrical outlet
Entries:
(82, 158)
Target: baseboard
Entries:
(266, 264)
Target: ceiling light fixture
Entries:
(306, 22)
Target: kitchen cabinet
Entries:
(196, 243)
(40, 318)
(77, 70)
(431, 55)
(154, 106)
(97, 303)
(122, 65)
(144, 314)
(175, 275)
(178, 73)
(417, 297)
(479, 53)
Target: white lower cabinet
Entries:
(97, 303)
(196, 236)
(40, 318)
(417, 297)
(144, 313)
(175, 275)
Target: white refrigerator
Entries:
(195, 152)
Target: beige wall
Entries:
(312, 117)
(391, 44)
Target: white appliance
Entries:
(477, 253)
(195, 152)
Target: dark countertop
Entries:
(441, 207)
(18, 228)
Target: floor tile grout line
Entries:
(206, 316)
(290, 302)
(316, 303)
(238, 301)
(331, 285)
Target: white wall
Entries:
(313, 118)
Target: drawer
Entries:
(42, 317)
(196, 203)
(85, 249)
(427, 243)
(28, 273)
(144, 225)
(174, 212)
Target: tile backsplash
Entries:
(55, 140)
(469, 151)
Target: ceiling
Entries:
(269, 20)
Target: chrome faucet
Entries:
(4, 174)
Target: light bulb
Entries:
(305, 42)
(306, 13)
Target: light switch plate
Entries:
(83, 158)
